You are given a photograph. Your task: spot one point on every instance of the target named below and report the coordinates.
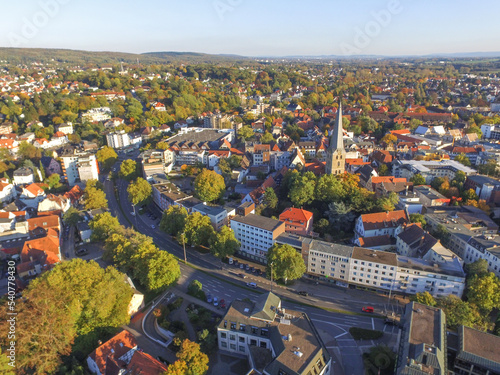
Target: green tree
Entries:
(128, 170)
(40, 168)
(54, 181)
(103, 225)
(27, 151)
(267, 138)
(462, 158)
(223, 243)
(424, 298)
(490, 168)
(195, 289)
(418, 179)
(72, 216)
(173, 220)
(196, 361)
(245, 133)
(341, 216)
(484, 292)
(209, 186)
(380, 360)
(163, 270)
(287, 263)
(469, 195)
(139, 191)
(459, 312)
(94, 198)
(302, 191)
(106, 156)
(383, 170)
(477, 268)
(270, 198)
(418, 218)
(198, 229)
(5, 368)
(177, 368)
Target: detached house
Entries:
(297, 221)
(39, 255)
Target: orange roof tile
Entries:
(296, 214)
(114, 348)
(142, 363)
(383, 220)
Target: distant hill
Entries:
(25, 55)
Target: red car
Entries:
(222, 304)
(368, 309)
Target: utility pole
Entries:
(184, 246)
(271, 264)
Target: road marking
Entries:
(342, 334)
(373, 324)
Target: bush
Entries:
(195, 290)
(176, 304)
(177, 326)
(365, 334)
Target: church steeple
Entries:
(335, 159)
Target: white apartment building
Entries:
(66, 128)
(380, 223)
(484, 247)
(256, 234)
(118, 140)
(79, 166)
(429, 169)
(217, 215)
(97, 114)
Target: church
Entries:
(335, 158)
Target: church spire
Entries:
(337, 138)
(335, 158)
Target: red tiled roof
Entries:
(383, 220)
(45, 222)
(114, 348)
(74, 194)
(142, 363)
(36, 188)
(296, 214)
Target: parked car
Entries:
(242, 275)
(368, 309)
(81, 252)
(216, 302)
(230, 261)
(303, 293)
(209, 298)
(153, 226)
(242, 266)
(222, 304)
(247, 267)
(252, 285)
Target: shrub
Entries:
(195, 290)
(365, 334)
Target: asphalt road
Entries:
(225, 284)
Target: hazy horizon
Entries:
(255, 28)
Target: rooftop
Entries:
(258, 221)
(375, 256)
(209, 210)
(480, 348)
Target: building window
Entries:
(233, 325)
(232, 346)
(223, 344)
(241, 339)
(264, 332)
(242, 327)
(232, 337)
(263, 344)
(241, 349)
(223, 335)
(253, 342)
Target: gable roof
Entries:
(113, 349)
(36, 188)
(383, 220)
(296, 214)
(144, 364)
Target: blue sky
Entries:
(255, 27)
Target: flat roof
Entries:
(479, 347)
(425, 325)
(375, 256)
(258, 221)
(209, 210)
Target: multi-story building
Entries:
(217, 215)
(297, 221)
(167, 194)
(275, 341)
(256, 234)
(485, 187)
(429, 169)
(279, 159)
(376, 269)
(97, 114)
(422, 348)
(430, 197)
(118, 139)
(478, 353)
(23, 176)
(490, 131)
(79, 166)
(66, 128)
(485, 247)
(377, 224)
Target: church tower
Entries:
(335, 158)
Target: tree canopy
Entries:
(128, 170)
(173, 220)
(139, 191)
(209, 186)
(107, 156)
(287, 263)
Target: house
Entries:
(39, 226)
(10, 144)
(217, 215)
(275, 341)
(114, 354)
(54, 203)
(23, 176)
(51, 166)
(33, 194)
(297, 221)
(74, 194)
(423, 341)
(66, 128)
(7, 191)
(376, 224)
(39, 254)
(84, 231)
(430, 197)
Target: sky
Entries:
(255, 27)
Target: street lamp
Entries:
(184, 246)
(271, 264)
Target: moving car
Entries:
(368, 309)
(81, 252)
(252, 285)
(303, 293)
(242, 275)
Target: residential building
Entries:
(118, 139)
(380, 223)
(275, 341)
(114, 354)
(422, 348)
(335, 159)
(429, 169)
(84, 231)
(10, 144)
(256, 234)
(217, 215)
(51, 166)
(167, 194)
(478, 353)
(79, 166)
(39, 254)
(430, 197)
(33, 194)
(66, 128)
(54, 203)
(485, 187)
(97, 114)
(7, 191)
(485, 247)
(23, 176)
(297, 221)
